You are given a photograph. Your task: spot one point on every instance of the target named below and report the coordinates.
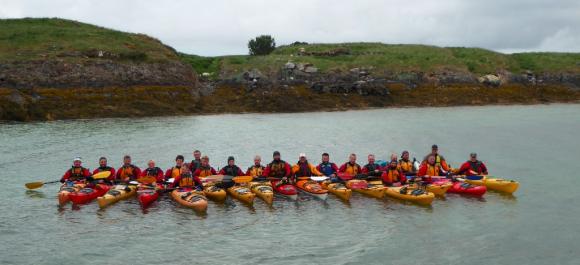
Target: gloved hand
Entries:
(198, 188)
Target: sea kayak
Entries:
(338, 189)
(439, 189)
(190, 198)
(467, 189)
(86, 195)
(242, 193)
(117, 193)
(66, 189)
(285, 189)
(496, 184)
(147, 194)
(214, 192)
(411, 194)
(263, 190)
(363, 187)
(312, 188)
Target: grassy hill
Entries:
(387, 57)
(49, 38)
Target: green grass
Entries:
(42, 38)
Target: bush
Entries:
(262, 45)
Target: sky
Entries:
(223, 27)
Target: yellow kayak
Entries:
(242, 193)
(263, 189)
(375, 191)
(497, 184)
(214, 193)
(190, 199)
(408, 193)
(115, 194)
(338, 189)
(439, 189)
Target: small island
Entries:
(53, 69)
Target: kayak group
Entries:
(192, 184)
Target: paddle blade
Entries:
(321, 178)
(243, 179)
(34, 185)
(102, 175)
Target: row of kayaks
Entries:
(317, 187)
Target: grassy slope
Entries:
(397, 58)
(42, 38)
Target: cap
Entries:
(77, 159)
(276, 153)
(230, 158)
(473, 155)
(434, 146)
(302, 155)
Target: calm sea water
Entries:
(537, 145)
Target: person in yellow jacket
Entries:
(304, 169)
(257, 169)
(350, 167)
(406, 164)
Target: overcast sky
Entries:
(220, 27)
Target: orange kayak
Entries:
(312, 188)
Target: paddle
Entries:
(38, 184)
(212, 178)
(319, 178)
(238, 179)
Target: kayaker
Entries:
(393, 176)
(328, 168)
(104, 167)
(350, 167)
(175, 171)
(151, 171)
(406, 165)
(76, 173)
(394, 157)
(439, 159)
(128, 171)
(372, 169)
(472, 167)
(278, 168)
(186, 180)
(304, 169)
(257, 169)
(196, 162)
(231, 169)
(204, 169)
(428, 169)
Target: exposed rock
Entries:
(290, 65)
(490, 80)
(310, 69)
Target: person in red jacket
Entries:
(76, 173)
(175, 171)
(372, 169)
(429, 169)
(186, 180)
(204, 169)
(278, 168)
(128, 171)
(393, 176)
(151, 171)
(231, 169)
(350, 167)
(472, 167)
(104, 167)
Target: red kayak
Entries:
(463, 188)
(86, 195)
(287, 190)
(147, 195)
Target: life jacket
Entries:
(327, 168)
(433, 170)
(153, 172)
(175, 172)
(352, 169)
(204, 171)
(476, 166)
(194, 165)
(186, 180)
(406, 166)
(303, 170)
(255, 170)
(277, 169)
(128, 172)
(438, 159)
(231, 170)
(77, 173)
(392, 175)
(105, 168)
